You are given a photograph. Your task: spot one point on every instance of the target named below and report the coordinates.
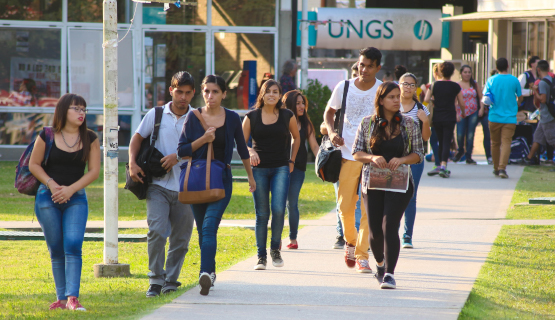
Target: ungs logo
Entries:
(423, 30)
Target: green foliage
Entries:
(518, 279)
(318, 96)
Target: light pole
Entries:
(304, 45)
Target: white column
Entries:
(490, 46)
(304, 46)
(110, 42)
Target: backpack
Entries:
(328, 159)
(519, 149)
(25, 181)
(550, 101)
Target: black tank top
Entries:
(300, 160)
(272, 141)
(393, 148)
(219, 144)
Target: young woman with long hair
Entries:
(298, 104)
(272, 158)
(473, 108)
(411, 107)
(444, 93)
(224, 131)
(386, 139)
(61, 202)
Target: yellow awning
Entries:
(523, 14)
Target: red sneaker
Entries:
(57, 305)
(350, 259)
(293, 246)
(363, 266)
(73, 304)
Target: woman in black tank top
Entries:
(296, 102)
(272, 158)
(61, 202)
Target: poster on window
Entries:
(387, 180)
(34, 82)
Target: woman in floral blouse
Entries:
(386, 140)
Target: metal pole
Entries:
(304, 46)
(490, 46)
(110, 44)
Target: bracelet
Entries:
(47, 181)
(291, 161)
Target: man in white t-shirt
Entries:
(165, 215)
(359, 104)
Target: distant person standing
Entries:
(399, 71)
(387, 76)
(503, 90)
(287, 80)
(354, 70)
(527, 80)
(360, 96)
(444, 118)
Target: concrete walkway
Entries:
(458, 219)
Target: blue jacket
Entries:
(192, 130)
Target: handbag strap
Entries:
(339, 126)
(210, 152)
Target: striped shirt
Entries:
(412, 113)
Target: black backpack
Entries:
(328, 160)
(550, 100)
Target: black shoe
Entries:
(388, 282)
(340, 243)
(170, 287)
(531, 162)
(153, 291)
(503, 174)
(380, 271)
(261, 264)
(277, 261)
(458, 157)
(496, 173)
(444, 173)
(205, 282)
(470, 161)
(213, 277)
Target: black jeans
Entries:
(385, 210)
(445, 132)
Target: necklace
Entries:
(76, 140)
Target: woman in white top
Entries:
(411, 107)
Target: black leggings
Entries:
(445, 131)
(385, 210)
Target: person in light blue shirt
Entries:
(503, 90)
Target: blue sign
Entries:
(312, 33)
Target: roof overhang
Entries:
(507, 15)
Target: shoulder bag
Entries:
(25, 181)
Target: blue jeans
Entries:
(276, 182)
(466, 129)
(64, 230)
(296, 180)
(410, 211)
(208, 217)
(487, 139)
(434, 142)
(339, 227)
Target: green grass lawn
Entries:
(518, 279)
(27, 286)
(316, 198)
(536, 181)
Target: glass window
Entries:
(231, 50)
(22, 128)
(192, 12)
(536, 36)
(31, 10)
(243, 12)
(95, 122)
(30, 67)
(92, 10)
(86, 67)
(519, 40)
(167, 53)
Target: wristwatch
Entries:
(178, 157)
(291, 161)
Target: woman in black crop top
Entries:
(298, 104)
(273, 158)
(61, 202)
(386, 140)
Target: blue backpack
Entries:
(25, 181)
(519, 149)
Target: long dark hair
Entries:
(60, 118)
(290, 101)
(379, 134)
(472, 81)
(267, 85)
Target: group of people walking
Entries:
(384, 126)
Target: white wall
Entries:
(512, 5)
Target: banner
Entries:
(385, 29)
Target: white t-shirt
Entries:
(359, 105)
(168, 138)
